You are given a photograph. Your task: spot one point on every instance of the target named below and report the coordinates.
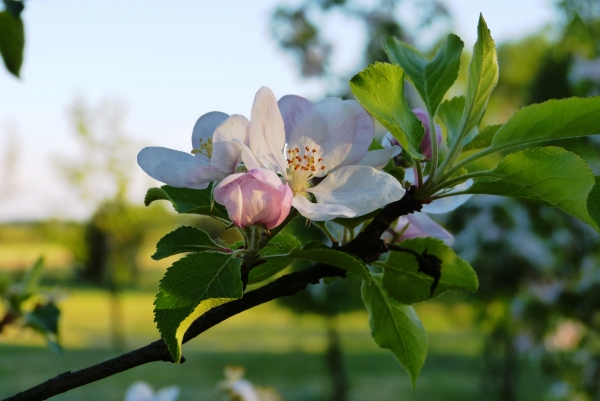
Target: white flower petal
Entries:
(235, 127)
(293, 108)
(361, 188)
(363, 135)
(445, 205)
(266, 133)
(248, 157)
(329, 128)
(205, 127)
(380, 157)
(226, 156)
(150, 157)
(421, 225)
(319, 211)
(187, 175)
(167, 394)
(139, 391)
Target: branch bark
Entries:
(367, 246)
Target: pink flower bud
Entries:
(426, 141)
(255, 197)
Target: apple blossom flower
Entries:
(324, 141)
(141, 391)
(256, 197)
(215, 154)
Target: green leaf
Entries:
(404, 283)
(186, 200)
(44, 318)
(32, 277)
(193, 285)
(593, 201)
(549, 175)
(380, 89)
(484, 138)
(184, 239)
(554, 119)
(431, 79)
(12, 42)
(450, 113)
(14, 7)
(280, 244)
(316, 251)
(395, 327)
(483, 77)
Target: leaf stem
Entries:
(434, 148)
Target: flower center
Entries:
(303, 164)
(205, 148)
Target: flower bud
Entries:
(426, 141)
(257, 197)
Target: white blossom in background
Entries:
(239, 389)
(141, 391)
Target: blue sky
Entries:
(169, 65)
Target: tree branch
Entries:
(367, 245)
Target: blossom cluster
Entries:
(290, 153)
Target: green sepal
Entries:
(12, 42)
(186, 200)
(316, 251)
(431, 78)
(403, 281)
(184, 239)
(282, 243)
(395, 327)
(380, 90)
(193, 285)
(549, 175)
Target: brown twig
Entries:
(367, 246)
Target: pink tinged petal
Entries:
(226, 156)
(421, 225)
(361, 188)
(380, 157)
(287, 197)
(234, 127)
(205, 127)
(266, 133)
(293, 108)
(256, 197)
(426, 141)
(268, 176)
(363, 135)
(329, 127)
(230, 196)
(319, 211)
(445, 205)
(187, 175)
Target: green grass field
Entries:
(277, 348)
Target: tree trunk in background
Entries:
(500, 365)
(335, 361)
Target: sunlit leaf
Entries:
(193, 285)
(282, 243)
(186, 200)
(395, 327)
(184, 239)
